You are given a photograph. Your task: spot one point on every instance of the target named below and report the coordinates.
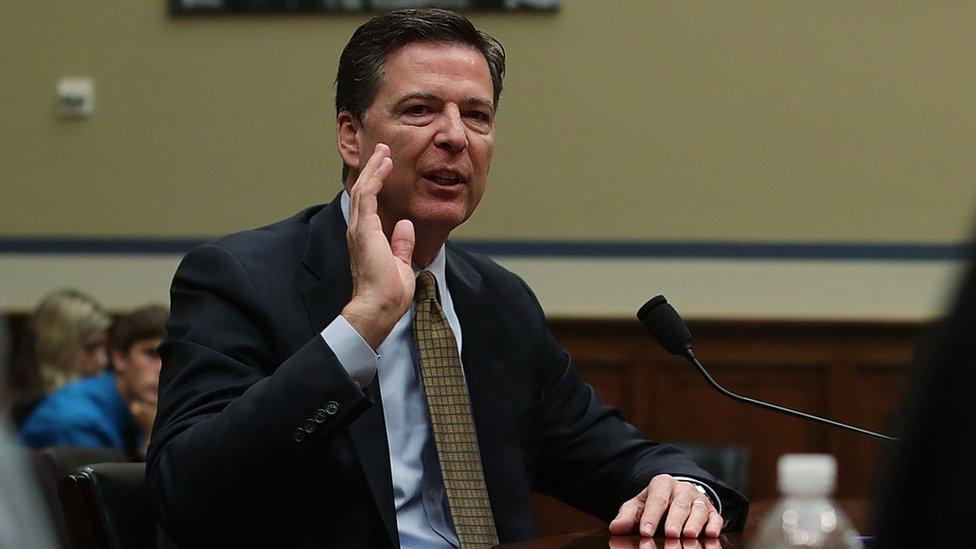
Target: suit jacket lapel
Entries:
(485, 373)
(327, 292)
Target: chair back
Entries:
(53, 463)
(107, 505)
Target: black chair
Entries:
(106, 505)
(61, 461)
(729, 464)
(56, 462)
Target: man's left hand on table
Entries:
(685, 510)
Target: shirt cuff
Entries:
(354, 354)
(708, 490)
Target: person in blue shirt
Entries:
(115, 409)
(67, 339)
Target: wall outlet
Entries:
(76, 97)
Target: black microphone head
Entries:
(665, 324)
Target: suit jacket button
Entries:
(299, 435)
(319, 415)
(309, 426)
(332, 407)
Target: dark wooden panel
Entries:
(871, 399)
(852, 372)
(690, 410)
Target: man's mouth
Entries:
(445, 177)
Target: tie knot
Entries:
(426, 287)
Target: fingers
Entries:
(696, 519)
(713, 528)
(367, 195)
(659, 494)
(629, 514)
(685, 512)
(679, 512)
(380, 153)
(370, 181)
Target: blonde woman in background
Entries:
(68, 340)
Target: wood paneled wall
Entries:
(851, 372)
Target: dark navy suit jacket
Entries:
(246, 376)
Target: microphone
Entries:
(667, 327)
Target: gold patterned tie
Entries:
(450, 418)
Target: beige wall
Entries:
(630, 119)
(580, 288)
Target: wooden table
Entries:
(859, 511)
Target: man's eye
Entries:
(417, 110)
(480, 116)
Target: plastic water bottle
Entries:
(805, 516)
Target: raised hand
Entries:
(382, 274)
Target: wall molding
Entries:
(692, 249)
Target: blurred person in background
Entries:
(115, 409)
(67, 340)
(24, 521)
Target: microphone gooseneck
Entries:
(667, 327)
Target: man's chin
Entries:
(440, 221)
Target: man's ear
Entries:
(348, 136)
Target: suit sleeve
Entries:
(236, 426)
(590, 457)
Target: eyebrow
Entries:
(434, 97)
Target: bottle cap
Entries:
(807, 474)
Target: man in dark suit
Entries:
(300, 402)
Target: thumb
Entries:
(403, 241)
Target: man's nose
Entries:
(451, 136)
